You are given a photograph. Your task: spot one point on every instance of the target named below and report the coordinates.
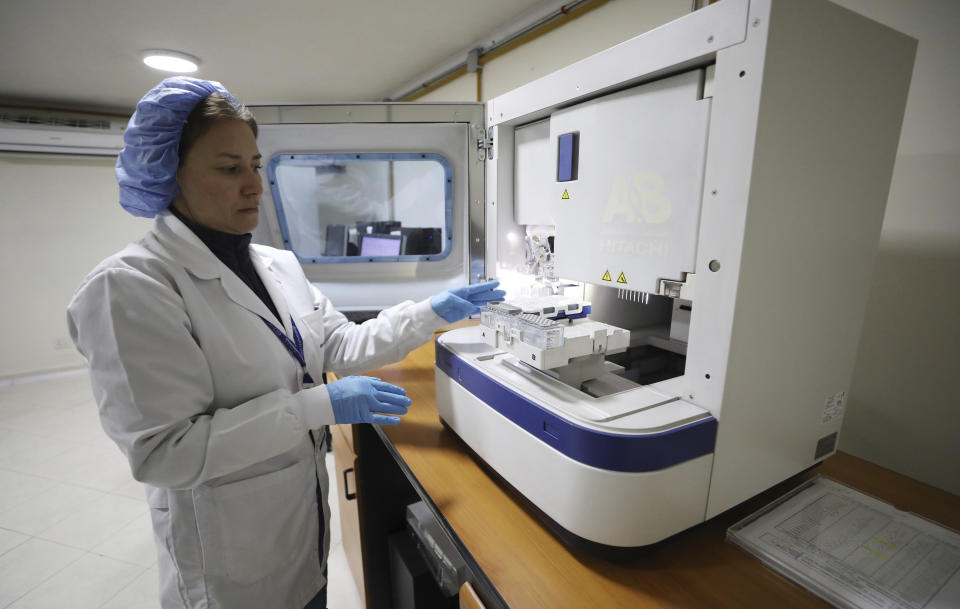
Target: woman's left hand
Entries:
(453, 305)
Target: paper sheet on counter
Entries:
(854, 550)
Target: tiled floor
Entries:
(74, 526)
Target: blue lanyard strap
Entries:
(295, 346)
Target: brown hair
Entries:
(212, 108)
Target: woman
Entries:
(204, 351)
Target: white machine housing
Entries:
(749, 145)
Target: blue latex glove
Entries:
(454, 305)
(357, 399)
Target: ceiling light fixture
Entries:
(170, 61)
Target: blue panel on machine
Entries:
(567, 157)
(610, 451)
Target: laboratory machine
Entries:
(686, 226)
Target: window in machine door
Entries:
(363, 207)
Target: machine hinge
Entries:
(485, 144)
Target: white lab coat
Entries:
(201, 397)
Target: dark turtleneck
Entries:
(234, 252)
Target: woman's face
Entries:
(219, 180)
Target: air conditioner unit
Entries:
(25, 130)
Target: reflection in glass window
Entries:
(363, 207)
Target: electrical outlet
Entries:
(62, 344)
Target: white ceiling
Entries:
(85, 54)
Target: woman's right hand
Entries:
(359, 399)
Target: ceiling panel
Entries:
(86, 54)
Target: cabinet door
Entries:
(345, 460)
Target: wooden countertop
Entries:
(532, 569)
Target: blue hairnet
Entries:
(147, 165)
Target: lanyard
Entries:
(295, 346)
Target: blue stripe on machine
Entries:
(616, 452)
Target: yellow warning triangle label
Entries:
(622, 278)
(606, 276)
(566, 195)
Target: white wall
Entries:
(601, 28)
(460, 89)
(903, 413)
(604, 27)
(60, 217)
(904, 409)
